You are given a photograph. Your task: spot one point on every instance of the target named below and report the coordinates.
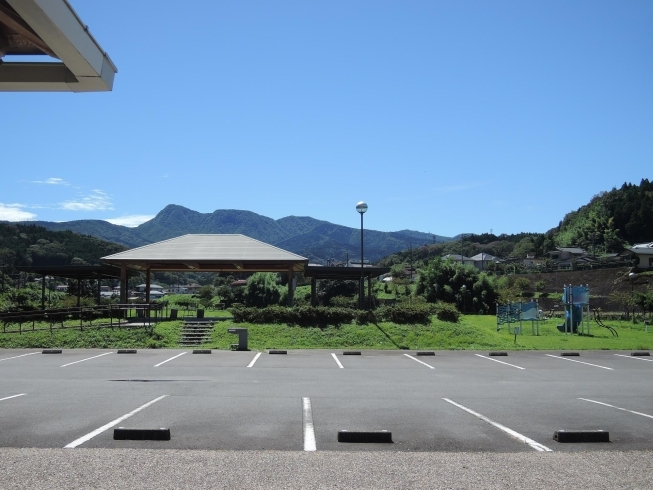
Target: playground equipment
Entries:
(575, 300)
(518, 312)
(599, 322)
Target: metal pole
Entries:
(362, 285)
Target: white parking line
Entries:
(91, 435)
(618, 408)
(637, 358)
(497, 360)
(421, 362)
(254, 360)
(12, 396)
(335, 358)
(581, 362)
(173, 357)
(105, 354)
(534, 444)
(309, 430)
(16, 357)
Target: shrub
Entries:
(304, 316)
(406, 313)
(447, 312)
(344, 302)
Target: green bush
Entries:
(304, 316)
(447, 312)
(404, 313)
(344, 302)
(365, 317)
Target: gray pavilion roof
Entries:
(209, 253)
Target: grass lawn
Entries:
(163, 335)
(470, 333)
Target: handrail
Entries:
(53, 316)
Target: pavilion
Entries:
(206, 253)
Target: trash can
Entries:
(200, 313)
(173, 313)
(242, 337)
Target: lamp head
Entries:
(361, 207)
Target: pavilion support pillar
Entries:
(99, 288)
(79, 293)
(43, 291)
(369, 293)
(148, 279)
(291, 290)
(313, 291)
(123, 283)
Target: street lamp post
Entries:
(632, 276)
(361, 207)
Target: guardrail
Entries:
(102, 316)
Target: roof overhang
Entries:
(320, 272)
(210, 265)
(51, 27)
(75, 271)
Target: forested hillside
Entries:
(610, 222)
(22, 245)
(611, 219)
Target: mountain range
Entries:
(319, 241)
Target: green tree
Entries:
(262, 290)
(443, 280)
(205, 295)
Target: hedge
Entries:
(308, 316)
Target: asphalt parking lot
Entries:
(463, 401)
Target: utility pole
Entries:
(410, 244)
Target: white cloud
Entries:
(96, 201)
(13, 212)
(131, 221)
(51, 181)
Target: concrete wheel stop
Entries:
(581, 436)
(493, 354)
(425, 353)
(640, 353)
(351, 353)
(126, 351)
(51, 351)
(202, 351)
(570, 354)
(277, 351)
(365, 436)
(124, 434)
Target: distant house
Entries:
(565, 256)
(644, 252)
(530, 262)
(357, 263)
(459, 258)
(62, 288)
(239, 283)
(153, 287)
(482, 260)
(183, 288)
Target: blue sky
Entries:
(445, 117)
